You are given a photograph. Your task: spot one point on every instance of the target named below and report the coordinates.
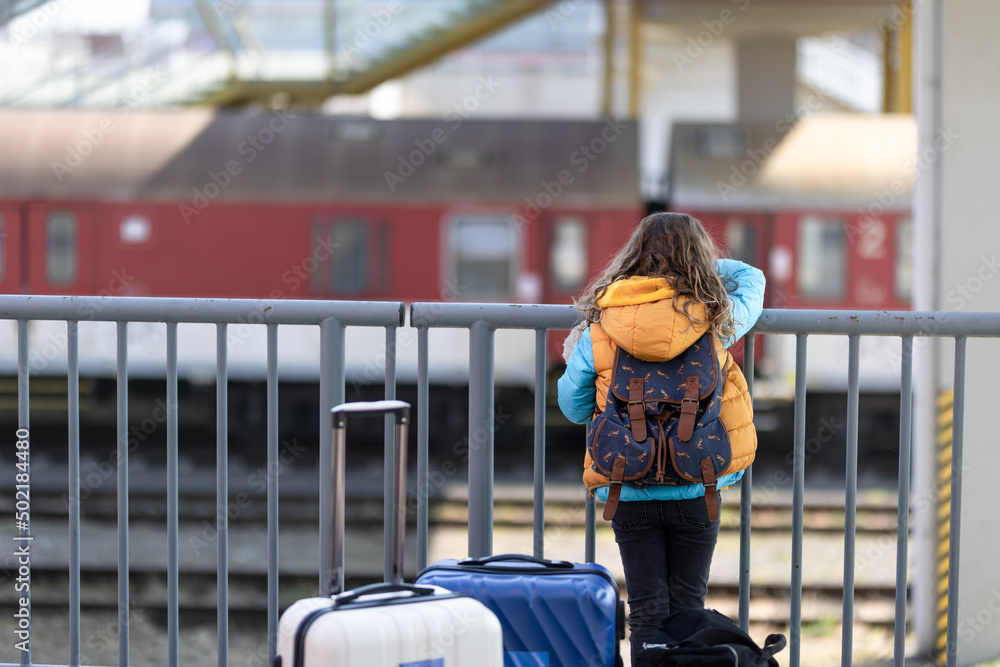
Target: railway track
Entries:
(448, 509)
(299, 516)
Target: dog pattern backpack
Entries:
(661, 424)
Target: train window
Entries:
(741, 241)
(60, 254)
(484, 253)
(904, 260)
(569, 254)
(822, 264)
(350, 254)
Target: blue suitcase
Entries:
(553, 613)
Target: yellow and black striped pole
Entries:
(945, 411)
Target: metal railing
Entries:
(332, 317)
(482, 321)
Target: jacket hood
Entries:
(639, 316)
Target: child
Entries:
(657, 296)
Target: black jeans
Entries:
(666, 548)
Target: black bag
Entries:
(662, 425)
(706, 638)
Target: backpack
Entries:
(706, 638)
(661, 424)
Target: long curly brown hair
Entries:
(674, 246)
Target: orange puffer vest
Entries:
(639, 316)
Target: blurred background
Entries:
(437, 150)
(470, 150)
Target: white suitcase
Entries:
(420, 626)
(391, 624)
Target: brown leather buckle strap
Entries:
(711, 488)
(637, 409)
(615, 490)
(689, 408)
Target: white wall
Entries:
(967, 145)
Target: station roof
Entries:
(108, 154)
(824, 160)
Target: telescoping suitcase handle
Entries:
(401, 411)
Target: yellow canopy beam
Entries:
(238, 92)
(897, 60)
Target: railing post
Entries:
(746, 499)
(423, 454)
(122, 463)
(389, 454)
(331, 392)
(273, 470)
(798, 497)
(73, 387)
(955, 526)
(480, 439)
(222, 487)
(903, 504)
(850, 500)
(23, 428)
(173, 565)
(539, 491)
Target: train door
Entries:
(485, 258)
(878, 261)
(812, 262)
(58, 249)
(745, 237)
(565, 255)
(10, 249)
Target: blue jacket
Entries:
(577, 387)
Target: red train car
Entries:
(193, 203)
(196, 203)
